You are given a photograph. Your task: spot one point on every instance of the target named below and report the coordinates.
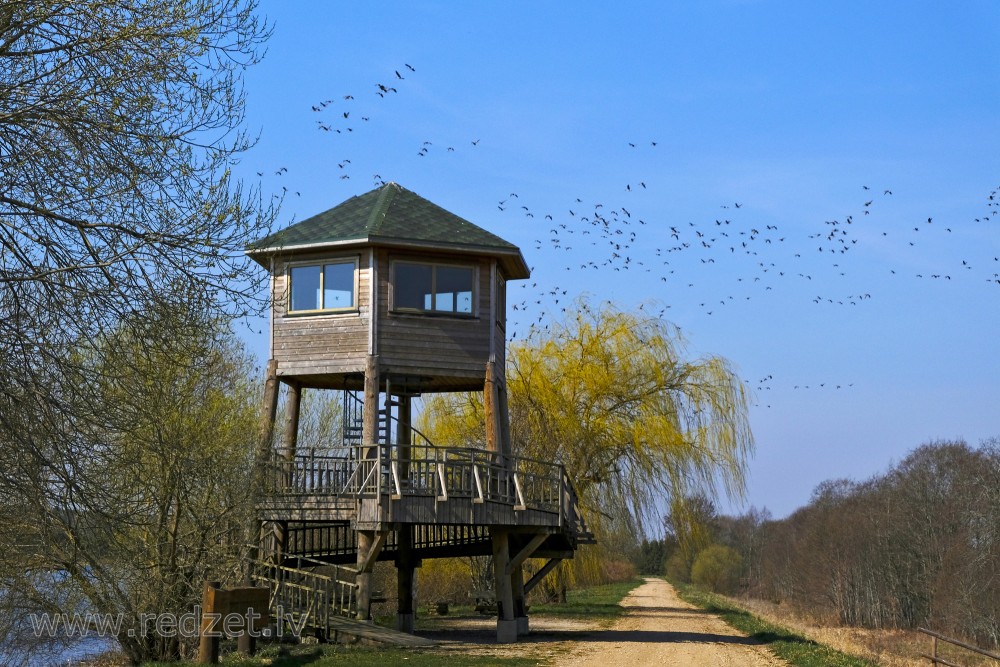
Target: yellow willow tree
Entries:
(612, 396)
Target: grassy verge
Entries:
(596, 603)
(359, 656)
(784, 643)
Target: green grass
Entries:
(598, 602)
(784, 643)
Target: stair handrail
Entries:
(279, 577)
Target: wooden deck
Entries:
(379, 487)
(348, 508)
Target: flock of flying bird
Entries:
(615, 236)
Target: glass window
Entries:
(453, 289)
(305, 288)
(413, 286)
(338, 286)
(322, 286)
(433, 288)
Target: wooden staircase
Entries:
(320, 598)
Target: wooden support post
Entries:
(268, 411)
(291, 435)
(208, 646)
(506, 623)
(374, 549)
(280, 529)
(289, 443)
(491, 409)
(404, 436)
(405, 579)
(517, 592)
(503, 414)
(369, 418)
(366, 541)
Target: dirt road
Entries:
(661, 629)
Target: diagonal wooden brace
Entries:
(525, 553)
(538, 576)
(369, 564)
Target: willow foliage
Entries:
(613, 396)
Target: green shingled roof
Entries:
(389, 215)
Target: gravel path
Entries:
(661, 629)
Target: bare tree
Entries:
(120, 122)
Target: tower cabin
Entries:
(384, 298)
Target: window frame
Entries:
(355, 263)
(400, 310)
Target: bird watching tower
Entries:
(386, 297)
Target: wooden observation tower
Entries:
(386, 297)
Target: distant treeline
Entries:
(916, 546)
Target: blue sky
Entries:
(672, 114)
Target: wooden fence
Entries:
(938, 660)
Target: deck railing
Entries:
(393, 471)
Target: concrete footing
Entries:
(506, 632)
(523, 629)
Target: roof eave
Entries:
(513, 261)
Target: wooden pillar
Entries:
(491, 409)
(405, 579)
(506, 622)
(366, 541)
(503, 414)
(369, 418)
(280, 529)
(289, 444)
(268, 412)
(517, 593)
(369, 436)
(404, 438)
(290, 438)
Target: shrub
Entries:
(678, 568)
(717, 568)
(444, 580)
